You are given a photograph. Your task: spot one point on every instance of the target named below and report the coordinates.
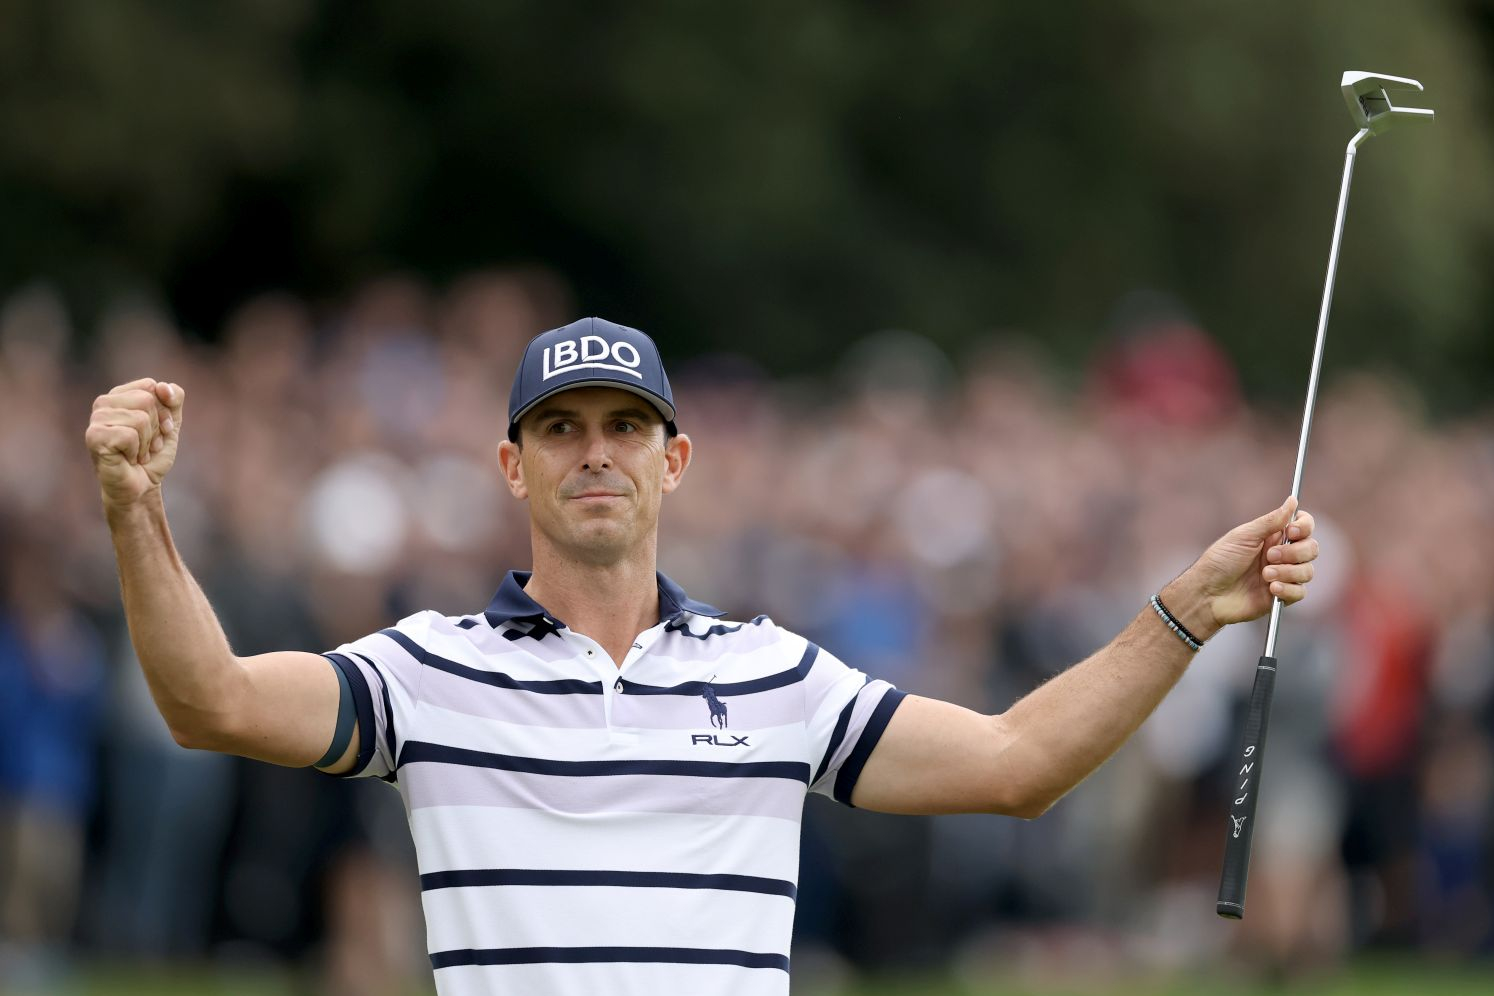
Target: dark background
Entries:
(768, 178)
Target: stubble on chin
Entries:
(596, 541)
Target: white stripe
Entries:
(550, 651)
(526, 659)
(578, 916)
(721, 661)
(611, 980)
(449, 839)
(446, 785)
(495, 736)
(777, 707)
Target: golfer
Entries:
(604, 778)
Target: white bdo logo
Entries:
(591, 352)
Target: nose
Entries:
(597, 456)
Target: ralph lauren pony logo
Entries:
(717, 707)
(718, 720)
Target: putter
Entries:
(1368, 97)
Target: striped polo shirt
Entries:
(583, 828)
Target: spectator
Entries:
(983, 528)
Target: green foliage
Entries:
(773, 178)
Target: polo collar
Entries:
(513, 604)
(673, 602)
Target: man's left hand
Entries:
(1238, 576)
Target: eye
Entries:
(623, 425)
(558, 427)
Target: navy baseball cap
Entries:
(590, 353)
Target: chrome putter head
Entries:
(1368, 97)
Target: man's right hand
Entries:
(279, 707)
(132, 438)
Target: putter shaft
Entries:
(1317, 353)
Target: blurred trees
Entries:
(772, 178)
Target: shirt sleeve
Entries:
(384, 677)
(846, 713)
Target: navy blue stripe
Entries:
(683, 629)
(479, 877)
(389, 735)
(577, 956)
(838, 734)
(723, 689)
(845, 781)
(416, 751)
(347, 721)
(363, 701)
(559, 686)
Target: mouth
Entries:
(596, 497)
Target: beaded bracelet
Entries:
(1177, 627)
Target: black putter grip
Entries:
(1244, 790)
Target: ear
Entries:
(510, 460)
(676, 460)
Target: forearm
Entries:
(182, 649)
(1061, 732)
(936, 757)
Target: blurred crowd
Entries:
(963, 526)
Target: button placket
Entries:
(591, 657)
(645, 641)
(616, 736)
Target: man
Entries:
(604, 780)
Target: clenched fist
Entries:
(132, 438)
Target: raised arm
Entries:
(279, 707)
(940, 758)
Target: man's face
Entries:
(594, 464)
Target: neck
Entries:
(610, 603)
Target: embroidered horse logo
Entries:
(717, 707)
(1239, 822)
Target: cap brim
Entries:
(664, 407)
